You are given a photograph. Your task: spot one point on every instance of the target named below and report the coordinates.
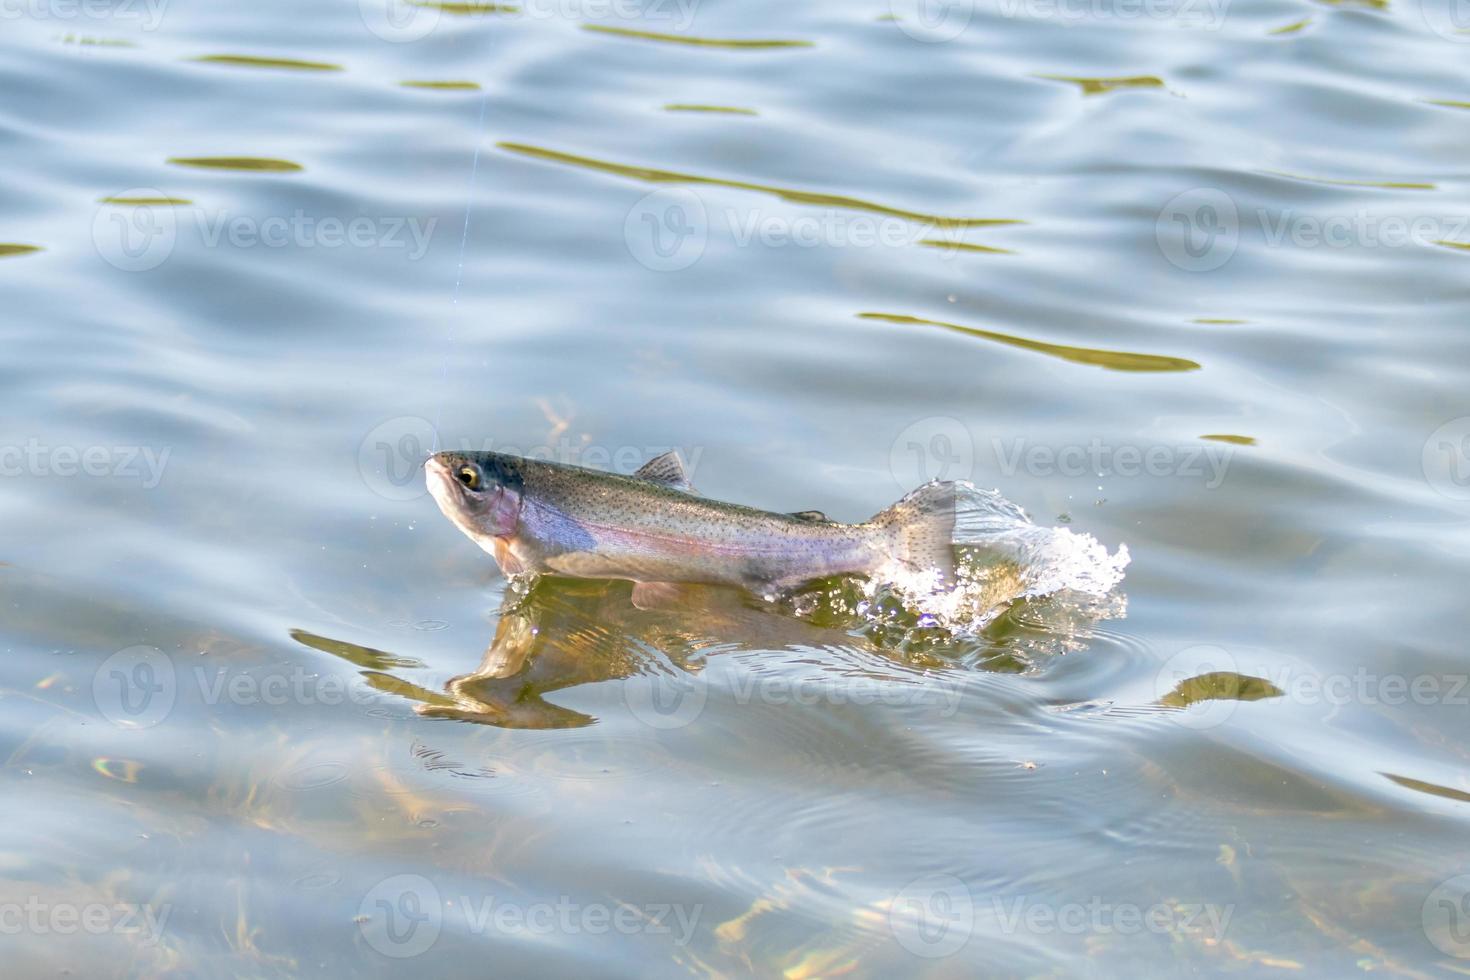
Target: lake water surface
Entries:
(1191, 276)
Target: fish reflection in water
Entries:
(566, 633)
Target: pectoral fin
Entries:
(810, 515)
(656, 595)
(667, 470)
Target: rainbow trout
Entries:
(653, 527)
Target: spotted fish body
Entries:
(540, 517)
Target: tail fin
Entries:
(918, 534)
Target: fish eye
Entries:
(470, 477)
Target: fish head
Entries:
(479, 492)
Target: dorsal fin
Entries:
(810, 515)
(667, 470)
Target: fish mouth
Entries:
(443, 487)
(435, 470)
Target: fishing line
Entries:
(469, 203)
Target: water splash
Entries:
(1056, 584)
(987, 622)
(1002, 557)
